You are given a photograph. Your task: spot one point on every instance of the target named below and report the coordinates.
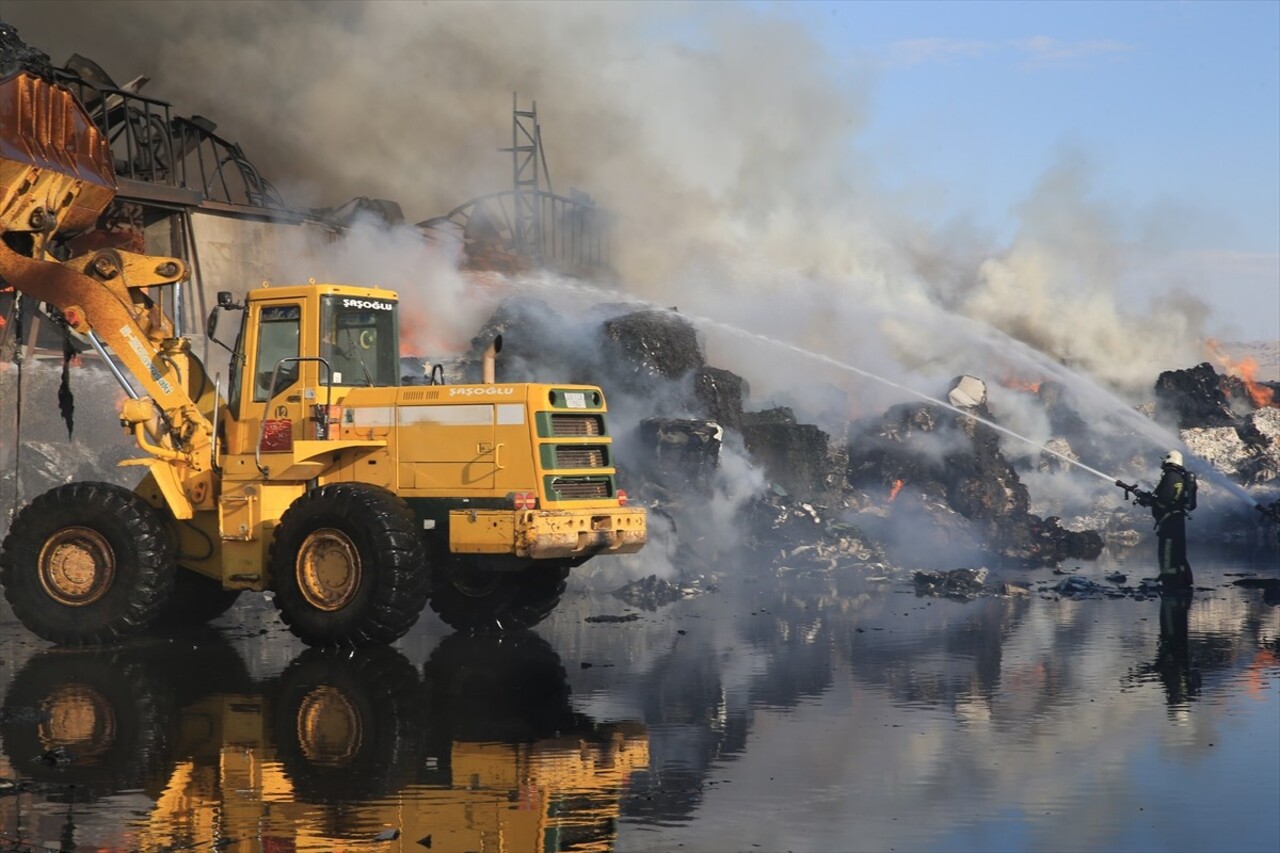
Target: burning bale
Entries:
(955, 460)
(1231, 422)
(1193, 398)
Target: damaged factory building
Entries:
(921, 486)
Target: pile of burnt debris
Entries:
(824, 502)
(920, 486)
(872, 495)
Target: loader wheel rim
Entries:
(329, 729)
(329, 569)
(79, 717)
(76, 566)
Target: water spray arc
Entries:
(1150, 431)
(826, 359)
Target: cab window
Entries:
(278, 337)
(359, 341)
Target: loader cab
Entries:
(301, 346)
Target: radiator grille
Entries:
(580, 457)
(575, 425)
(580, 489)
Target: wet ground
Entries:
(821, 712)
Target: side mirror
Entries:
(211, 325)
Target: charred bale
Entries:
(1193, 398)
(795, 456)
(719, 393)
(649, 345)
(676, 457)
(958, 584)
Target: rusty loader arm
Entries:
(91, 562)
(56, 179)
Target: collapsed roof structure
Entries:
(185, 191)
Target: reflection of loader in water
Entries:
(482, 752)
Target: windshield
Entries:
(358, 337)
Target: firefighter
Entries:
(1172, 499)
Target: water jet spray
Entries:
(987, 336)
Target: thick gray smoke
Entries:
(724, 138)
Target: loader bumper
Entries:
(548, 534)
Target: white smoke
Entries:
(724, 137)
(727, 143)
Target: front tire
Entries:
(471, 598)
(347, 721)
(349, 567)
(88, 724)
(87, 564)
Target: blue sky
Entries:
(1175, 106)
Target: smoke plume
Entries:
(725, 139)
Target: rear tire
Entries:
(349, 567)
(87, 564)
(470, 598)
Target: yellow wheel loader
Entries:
(356, 500)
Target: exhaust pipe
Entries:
(491, 358)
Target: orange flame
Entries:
(1246, 371)
(1017, 383)
(897, 487)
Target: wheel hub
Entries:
(78, 716)
(76, 566)
(329, 729)
(329, 569)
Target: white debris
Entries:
(968, 392)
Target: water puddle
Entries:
(819, 712)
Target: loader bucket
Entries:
(55, 165)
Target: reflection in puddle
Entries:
(480, 751)
(820, 712)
